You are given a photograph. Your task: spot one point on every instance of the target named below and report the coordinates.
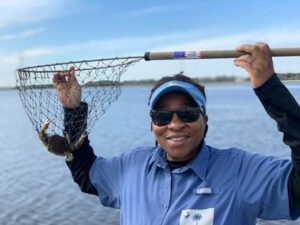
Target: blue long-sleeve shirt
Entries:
(222, 186)
(217, 187)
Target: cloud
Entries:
(284, 38)
(275, 38)
(7, 37)
(15, 12)
(125, 44)
(17, 57)
(24, 34)
(185, 41)
(152, 10)
(132, 46)
(8, 59)
(31, 32)
(193, 40)
(38, 52)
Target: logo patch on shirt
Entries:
(197, 216)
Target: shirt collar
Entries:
(198, 164)
(158, 159)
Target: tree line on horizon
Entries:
(223, 78)
(289, 76)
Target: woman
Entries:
(183, 180)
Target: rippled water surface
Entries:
(37, 188)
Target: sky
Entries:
(37, 32)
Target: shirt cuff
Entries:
(263, 89)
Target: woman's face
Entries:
(178, 139)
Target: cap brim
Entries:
(178, 86)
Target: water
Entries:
(37, 188)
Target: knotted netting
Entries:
(99, 82)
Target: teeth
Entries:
(177, 138)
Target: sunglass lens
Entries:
(161, 118)
(164, 117)
(189, 115)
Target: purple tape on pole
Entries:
(178, 55)
(187, 55)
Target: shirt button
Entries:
(165, 206)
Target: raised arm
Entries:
(279, 104)
(75, 116)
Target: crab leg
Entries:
(80, 141)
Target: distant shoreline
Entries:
(285, 77)
(7, 88)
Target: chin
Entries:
(179, 154)
(178, 157)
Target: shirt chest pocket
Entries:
(197, 216)
(202, 210)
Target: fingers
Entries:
(257, 49)
(245, 48)
(71, 74)
(64, 77)
(68, 74)
(244, 61)
(256, 53)
(58, 79)
(257, 62)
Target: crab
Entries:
(57, 144)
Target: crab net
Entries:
(99, 81)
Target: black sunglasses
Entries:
(164, 117)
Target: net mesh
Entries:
(100, 86)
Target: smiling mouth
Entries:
(177, 139)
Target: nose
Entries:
(176, 123)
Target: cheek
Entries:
(158, 131)
(199, 128)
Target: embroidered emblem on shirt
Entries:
(197, 217)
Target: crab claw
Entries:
(42, 133)
(54, 143)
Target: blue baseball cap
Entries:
(178, 86)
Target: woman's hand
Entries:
(67, 88)
(258, 62)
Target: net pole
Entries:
(214, 54)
